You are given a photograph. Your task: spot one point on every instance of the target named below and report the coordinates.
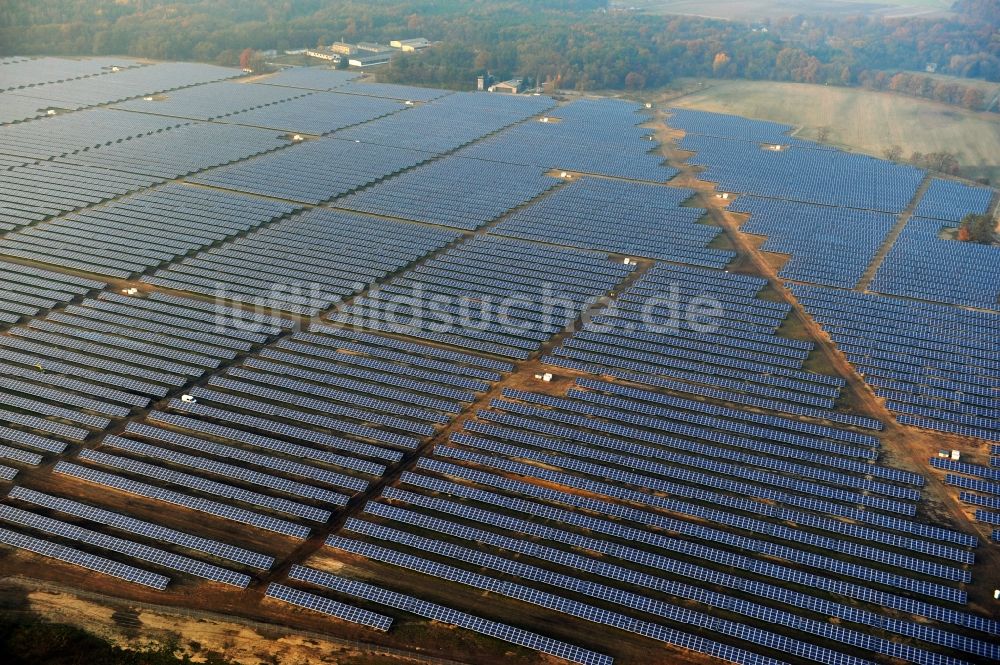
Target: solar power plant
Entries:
(623, 217)
(466, 376)
(124, 84)
(452, 191)
(623, 599)
(589, 136)
(452, 300)
(825, 177)
(513, 526)
(317, 113)
(154, 227)
(34, 190)
(935, 365)
(830, 246)
(303, 264)
(307, 173)
(923, 265)
(448, 123)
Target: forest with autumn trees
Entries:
(578, 44)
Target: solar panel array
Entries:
(90, 160)
(314, 171)
(74, 132)
(182, 151)
(519, 512)
(212, 101)
(825, 177)
(624, 599)
(317, 113)
(508, 309)
(921, 264)
(142, 231)
(951, 201)
(309, 78)
(727, 126)
(624, 217)
(680, 325)
(71, 374)
(831, 246)
(934, 365)
(453, 191)
(311, 601)
(131, 549)
(35, 192)
(391, 91)
(86, 560)
(111, 87)
(26, 291)
(984, 481)
(304, 264)
(31, 72)
(281, 441)
(140, 528)
(447, 123)
(597, 136)
(447, 615)
(16, 108)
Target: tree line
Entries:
(576, 44)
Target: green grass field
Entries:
(758, 9)
(857, 119)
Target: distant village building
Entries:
(372, 47)
(484, 82)
(931, 67)
(323, 55)
(369, 59)
(511, 87)
(296, 51)
(410, 45)
(343, 48)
